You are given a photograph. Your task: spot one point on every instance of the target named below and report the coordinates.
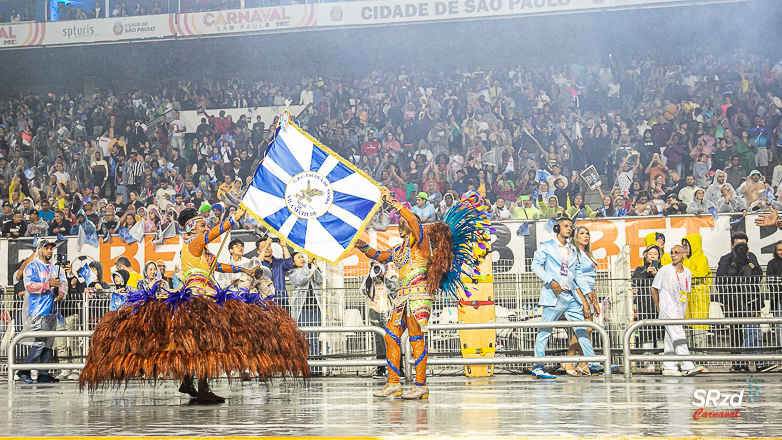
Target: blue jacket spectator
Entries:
(423, 209)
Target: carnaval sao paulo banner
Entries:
(110, 29)
(282, 18)
(401, 11)
(511, 252)
(22, 34)
(246, 20)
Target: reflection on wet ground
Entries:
(505, 405)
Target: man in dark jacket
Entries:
(15, 228)
(642, 278)
(738, 281)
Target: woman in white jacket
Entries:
(306, 302)
(699, 204)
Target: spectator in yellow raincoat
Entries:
(698, 300)
(658, 239)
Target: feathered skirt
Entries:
(198, 335)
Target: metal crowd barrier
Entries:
(13, 366)
(605, 359)
(42, 334)
(345, 362)
(627, 357)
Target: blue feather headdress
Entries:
(470, 225)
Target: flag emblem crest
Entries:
(309, 195)
(318, 202)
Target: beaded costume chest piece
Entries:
(413, 269)
(195, 270)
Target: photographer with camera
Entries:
(45, 286)
(738, 281)
(380, 287)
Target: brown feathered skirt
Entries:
(155, 340)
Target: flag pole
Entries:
(214, 263)
(284, 120)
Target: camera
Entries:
(741, 249)
(258, 273)
(376, 271)
(62, 260)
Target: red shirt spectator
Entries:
(371, 146)
(222, 123)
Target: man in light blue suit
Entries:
(556, 263)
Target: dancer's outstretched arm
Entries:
(372, 253)
(199, 244)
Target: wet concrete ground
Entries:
(504, 405)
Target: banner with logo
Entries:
(21, 34)
(240, 21)
(281, 18)
(110, 29)
(402, 11)
(512, 252)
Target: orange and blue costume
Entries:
(197, 260)
(413, 304)
(431, 258)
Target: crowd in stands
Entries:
(17, 15)
(699, 136)
(68, 11)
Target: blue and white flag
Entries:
(769, 195)
(315, 200)
(713, 212)
(87, 274)
(542, 175)
(117, 299)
